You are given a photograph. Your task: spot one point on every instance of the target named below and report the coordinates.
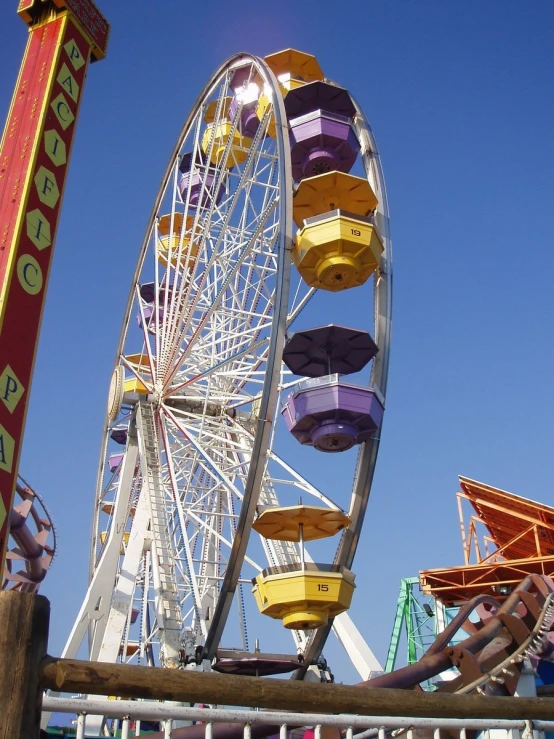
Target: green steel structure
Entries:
(419, 618)
(414, 612)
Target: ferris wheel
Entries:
(222, 400)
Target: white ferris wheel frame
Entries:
(106, 610)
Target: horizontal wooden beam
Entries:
(188, 686)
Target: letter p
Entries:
(11, 389)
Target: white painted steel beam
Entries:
(97, 601)
(363, 659)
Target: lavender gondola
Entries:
(332, 416)
(114, 461)
(248, 122)
(322, 142)
(149, 317)
(191, 181)
(148, 294)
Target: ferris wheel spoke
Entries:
(290, 318)
(242, 318)
(204, 237)
(224, 161)
(209, 433)
(261, 218)
(246, 350)
(143, 324)
(221, 365)
(183, 539)
(214, 470)
(217, 298)
(226, 343)
(295, 479)
(133, 370)
(205, 527)
(297, 308)
(211, 464)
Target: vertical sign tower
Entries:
(64, 35)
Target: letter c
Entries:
(29, 274)
(61, 104)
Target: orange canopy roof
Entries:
(507, 515)
(522, 531)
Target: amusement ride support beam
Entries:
(75, 676)
(97, 610)
(96, 605)
(35, 152)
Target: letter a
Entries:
(7, 446)
(68, 84)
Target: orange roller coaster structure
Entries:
(506, 538)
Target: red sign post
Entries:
(34, 157)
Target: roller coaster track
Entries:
(33, 533)
(490, 659)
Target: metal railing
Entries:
(131, 713)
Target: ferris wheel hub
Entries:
(115, 393)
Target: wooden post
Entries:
(102, 678)
(24, 620)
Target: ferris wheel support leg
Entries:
(96, 604)
(97, 600)
(361, 656)
(107, 650)
(168, 608)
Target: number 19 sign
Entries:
(34, 157)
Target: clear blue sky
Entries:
(459, 95)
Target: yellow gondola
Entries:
(303, 596)
(337, 250)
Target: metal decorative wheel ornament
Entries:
(32, 542)
(195, 446)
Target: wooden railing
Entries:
(26, 671)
